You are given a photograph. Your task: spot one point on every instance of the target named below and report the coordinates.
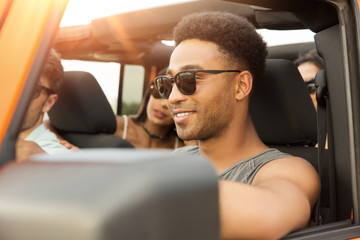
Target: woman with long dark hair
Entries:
(152, 127)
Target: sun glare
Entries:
(79, 12)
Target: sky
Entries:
(80, 12)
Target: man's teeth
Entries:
(182, 114)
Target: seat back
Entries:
(82, 115)
(284, 115)
(281, 107)
(282, 110)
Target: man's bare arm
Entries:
(280, 201)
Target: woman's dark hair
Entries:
(235, 36)
(142, 115)
(311, 56)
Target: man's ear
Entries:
(244, 83)
(50, 102)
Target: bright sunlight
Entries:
(80, 12)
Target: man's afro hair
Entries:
(234, 35)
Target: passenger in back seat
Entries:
(309, 64)
(34, 137)
(263, 193)
(152, 127)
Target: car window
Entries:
(108, 76)
(132, 90)
(106, 73)
(281, 37)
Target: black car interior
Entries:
(82, 115)
(329, 47)
(285, 118)
(110, 194)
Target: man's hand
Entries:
(25, 149)
(68, 145)
(62, 141)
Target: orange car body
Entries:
(21, 40)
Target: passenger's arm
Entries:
(280, 200)
(24, 149)
(119, 126)
(68, 145)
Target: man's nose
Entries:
(176, 95)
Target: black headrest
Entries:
(281, 107)
(82, 106)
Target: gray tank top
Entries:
(245, 170)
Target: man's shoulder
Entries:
(46, 140)
(280, 161)
(288, 167)
(245, 170)
(37, 133)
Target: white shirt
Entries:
(46, 140)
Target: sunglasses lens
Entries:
(164, 86)
(311, 87)
(186, 82)
(154, 92)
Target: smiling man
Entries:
(263, 193)
(34, 137)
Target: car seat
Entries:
(281, 107)
(285, 118)
(82, 115)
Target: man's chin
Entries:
(186, 136)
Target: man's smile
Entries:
(180, 116)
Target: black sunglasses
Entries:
(184, 80)
(38, 89)
(310, 85)
(153, 91)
